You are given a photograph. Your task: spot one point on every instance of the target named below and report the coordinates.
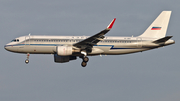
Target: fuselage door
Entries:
(27, 40)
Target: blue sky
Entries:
(148, 76)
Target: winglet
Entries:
(111, 24)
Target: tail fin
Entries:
(159, 27)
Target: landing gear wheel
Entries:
(83, 64)
(26, 61)
(85, 59)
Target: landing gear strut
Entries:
(84, 62)
(27, 60)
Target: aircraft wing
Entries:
(93, 40)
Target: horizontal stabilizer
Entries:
(163, 39)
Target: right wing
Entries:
(93, 40)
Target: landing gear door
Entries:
(139, 42)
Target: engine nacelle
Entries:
(63, 59)
(64, 50)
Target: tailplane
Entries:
(159, 27)
(162, 39)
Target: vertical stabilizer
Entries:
(159, 27)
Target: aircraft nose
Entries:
(5, 47)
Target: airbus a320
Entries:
(67, 48)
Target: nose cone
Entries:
(11, 48)
(5, 47)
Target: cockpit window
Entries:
(15, 40)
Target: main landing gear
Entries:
(27, 60)
(84, 58)
(84, 62)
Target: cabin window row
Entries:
(56, 40)
(117, 41)
(106, 41)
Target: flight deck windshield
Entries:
(15, 40)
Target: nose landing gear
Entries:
(27, 60)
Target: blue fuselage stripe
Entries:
(111, 46)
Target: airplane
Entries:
(68, 48)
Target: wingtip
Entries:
(111, 24)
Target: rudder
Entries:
(159, 27)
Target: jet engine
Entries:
(64, 50)
(63, 59)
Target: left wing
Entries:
(93, 40)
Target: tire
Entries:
(83, 64)
(85, 59)
(26, 61)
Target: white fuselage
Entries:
(108, 46)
